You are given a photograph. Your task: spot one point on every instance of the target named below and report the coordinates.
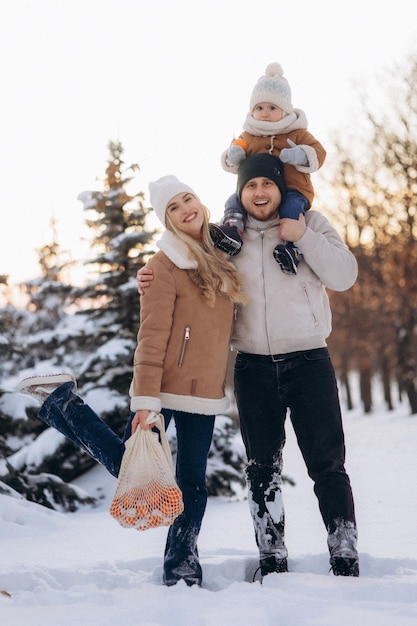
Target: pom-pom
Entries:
(274, 69)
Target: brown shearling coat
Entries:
(294, 178)
(272, 137)
(181, 357)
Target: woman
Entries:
(179, 365)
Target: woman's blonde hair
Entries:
(216, 275)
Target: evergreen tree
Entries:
(108, 305)
(117, 220)
(89, 330)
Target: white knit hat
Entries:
(272, 87)
(163, 190)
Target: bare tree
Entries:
(375, 183)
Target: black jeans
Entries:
(305, 383)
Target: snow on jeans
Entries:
(305, 383)
(67, 412)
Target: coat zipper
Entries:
(184, 345)
(262, 235)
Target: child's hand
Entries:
(294, 155)
(235, 154)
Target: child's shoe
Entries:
(287, 257)
(40, 387)
(226, 238)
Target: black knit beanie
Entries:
(264, 165)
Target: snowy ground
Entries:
(84, 569)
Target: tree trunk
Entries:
(344, 378)
(411, 392)
(407, 361)
(386, 382)
(366, 390)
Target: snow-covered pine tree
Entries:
(117, 219)
(109, 303)
(89, 330)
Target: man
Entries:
(283, 364)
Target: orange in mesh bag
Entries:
(147, 494)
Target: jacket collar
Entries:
(176, 250)
(260, 225)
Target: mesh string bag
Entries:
(146, 494)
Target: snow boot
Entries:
(188, 570)
(344, 566)
(287, 257)
(40, 387)
(226, 238)
(271, 565)
(344, 560)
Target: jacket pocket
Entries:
(310, 306)
(184, 345)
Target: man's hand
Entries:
(292, 230)
(144, 276)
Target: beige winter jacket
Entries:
(289, 313)
(183, 344)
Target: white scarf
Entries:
(293, 121)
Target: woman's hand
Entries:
(139, 419)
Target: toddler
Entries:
(275, 127)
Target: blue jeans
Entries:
(293, 203)
(65, 411)
(303, 382)
(194, 436)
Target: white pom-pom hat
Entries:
(272, 87)
(163, 190)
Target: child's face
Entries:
(267, 112)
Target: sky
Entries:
(83, 568)
(172, 82)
